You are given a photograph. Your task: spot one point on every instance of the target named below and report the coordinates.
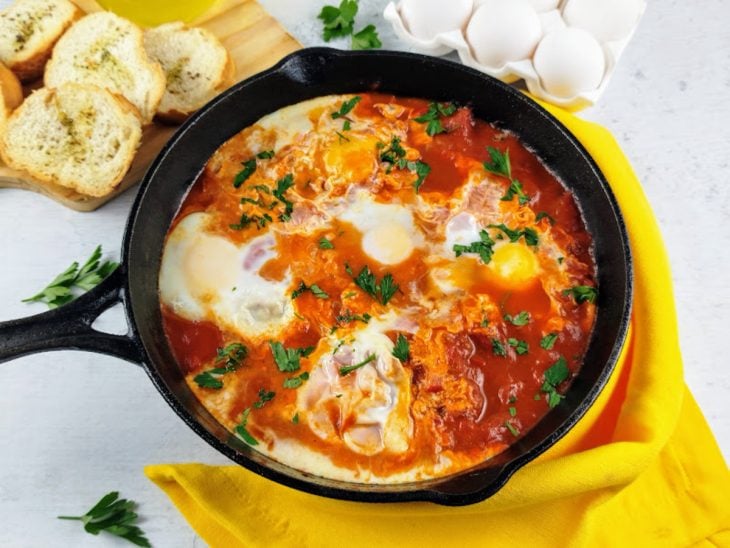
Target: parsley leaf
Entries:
(515, 189)
(115, 516)
(265, 155)
(264, 397)
(295, 418)
(346, 107)
(583, 293)
(499, 164)
(367, 38)
(523, 318)
(246, 220)
(382, 291)
(324, 243)
(59, 291)
(401, 349)
(348, 317)
(296, 382)
(484, 248)
(350, 368)
(287, 359)
(249, 168)
(421, 169)
(282, 185)
(314, 288)
(241, 430)
(514, 431)
(393, 154)
(433, 117)
(529, 234)
(498, 348)
(228, 359)
(548, 341)
(553, 377)
(338, 21)
(544, 215)
(521, 347)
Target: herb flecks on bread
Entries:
(78, 136)
(28, 31)
(197, 67)
(108, 51)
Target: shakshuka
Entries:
(378, 289)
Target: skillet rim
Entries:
(490, 480)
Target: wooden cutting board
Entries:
(255, 40)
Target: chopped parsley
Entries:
(552, 377)
(296, 382)
(246, 220)
(282, 185)
(395, 155)
(367, 38)
(548, 341)
(511, 428)
(346, 108)
(314, 288)
(348, 317)
(264, 397)
(367, 281)
(512, 411)
(249, 168)
(521, 347)
(529, 234)
(324, 243)
(287, 359)
(433, 116)
(295, 418)
(544, 215)
(241, 430)
(523, 318)
(582, 293)
(498, 349)
(350, 368)
(484, 247)
(422, 170)
(499, 164)
(401, 350)
(515, 189)
(338, 21)
(227, 360)
(265, 155)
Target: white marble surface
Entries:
(74, 425)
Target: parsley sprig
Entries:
(265, 396)
(228, 359)
(60, 290)
(582, 294)
(346, 370)
(367, 38)
(346, 107)
(548, 341)
(519, 320)
(432, 118)
(499, 164)
(314, 288)
(529, 234)
(287, 359)
(401, 349)
(552, 378)
(382, 291)
(395, 155)
(115, 516)
(484, 247)
(340, 21)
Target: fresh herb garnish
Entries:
(401, 349)
(393, 154)
(346, 108)
(523, 318)
(287, 359)
(249, 168)
(295, 418)
(265, 155)
(421, 169)
(433, 117)
(338, 21)
(346, 126)
(59, 291)
(324, 243)
(367, 38)
(512, 411)
(552, 377)
(115, 516)
(498, 348)
(529, 234)
(548, 341)
(282, 185)
(484, 248)
(348, 317)
(512, 429)
(314, 288)
(521, 347)
(296, 382)
(259, 221)
(227, 359)
(382, 291)
(241, 430)
(350, 368)
(582, 293)
(515, 189)
(499, 165)
(264, 397)
(544, 215)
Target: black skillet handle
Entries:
(69, 327)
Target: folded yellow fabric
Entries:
(640, 469)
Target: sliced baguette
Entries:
(197, 67)
(108, 51)
(28, 31)
(11, 94)
(78, 136)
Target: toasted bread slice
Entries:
(78, 136)
(11, 94)
(107, 51)
(196, 65)
(28, 31)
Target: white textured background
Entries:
(74, 425)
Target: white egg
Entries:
(545, 5)
(569, 61)
(204, 276)
(501, 31)
(389, 235)
(606, 20)
(462, 229)
(425, 19)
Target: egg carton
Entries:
(564, 50)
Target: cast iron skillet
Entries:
(303, 75)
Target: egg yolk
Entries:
(354, 158)
(514, 265)
(388, 243)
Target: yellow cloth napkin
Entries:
(640, 469)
